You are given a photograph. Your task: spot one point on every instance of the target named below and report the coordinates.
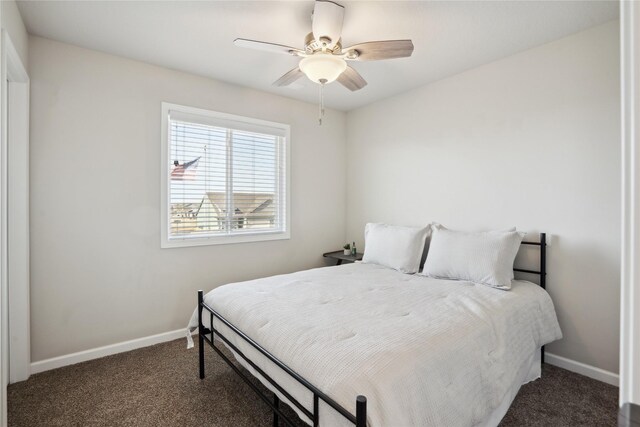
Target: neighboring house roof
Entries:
(245, 203)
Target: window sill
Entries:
(224, 240)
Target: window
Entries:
(225, 178)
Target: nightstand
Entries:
(339, 256)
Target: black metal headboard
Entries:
(542, 271)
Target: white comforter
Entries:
(425, 352)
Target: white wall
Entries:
(98, 275)
(13, 24)
(532, 141)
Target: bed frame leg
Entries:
(200, 334)
(361, 411)
(276, 417)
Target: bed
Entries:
(423, 351)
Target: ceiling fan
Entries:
(324, 59)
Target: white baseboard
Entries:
(95, 353)
(107, 350)
(582, 369)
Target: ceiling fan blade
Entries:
(385, 49)
(267, 47)
(327, 21)
(289, 77)
(351, 79)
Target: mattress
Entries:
(424, 351)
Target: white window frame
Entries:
(187, 241)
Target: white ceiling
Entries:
(197, 37)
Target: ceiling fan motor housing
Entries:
(311, 45)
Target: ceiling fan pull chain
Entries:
(321, 104)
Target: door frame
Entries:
(15, 211)
(630, 186)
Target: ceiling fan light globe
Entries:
(322, 67)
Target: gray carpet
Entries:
(158, 386)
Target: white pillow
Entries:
(428, 241)
(485, 257)
(395, 247)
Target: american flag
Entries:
(185, 171)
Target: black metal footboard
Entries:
(208, 335)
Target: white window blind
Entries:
(226, 178)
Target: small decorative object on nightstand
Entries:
(347, 249)
(340, 256)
